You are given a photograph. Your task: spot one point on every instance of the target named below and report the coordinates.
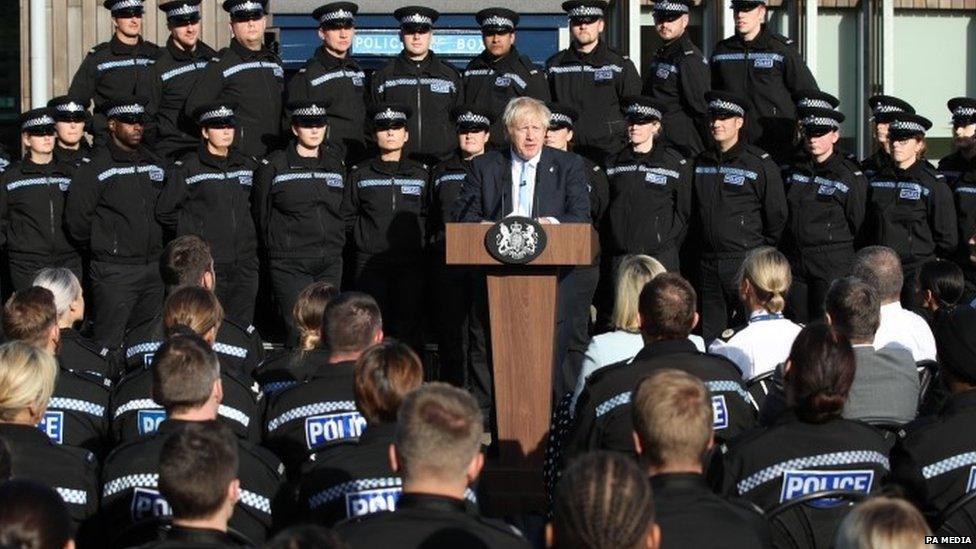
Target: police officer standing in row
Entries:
(334, 79)
(766, 69)
(959, 169)
(70, 117)
(679, 78)
(248, 74)
(883, 109)
(419, 79)
(500, 72)
(591, 78)
(171, 79)
(112, 69)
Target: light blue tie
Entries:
(525, 199)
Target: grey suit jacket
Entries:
(885, 386)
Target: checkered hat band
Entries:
(390, 114)
(819, 121)
(643, 110)
(720, 105)
(585, 11)
(184, 10)
(247, 6)
(671, 7)
(70, 106)
(882, 108)
(337, 15)
(134, 108)
(472, 118)
(906, 126)
(311, 110)
(126, 5)
(43, 120)
(222, 112)
(416, 19)
(498, 21)
(964, 111)
(557, 118)
(814, 103)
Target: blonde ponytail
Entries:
(768, 272)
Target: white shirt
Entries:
(905, 329)
(529, 177)
(761, 346)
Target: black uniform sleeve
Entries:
(207, 89)
(4, 212)
(83, 83)
(797, 75)
(695, 81)
(577, 195)
(854, 209)
(630, 81)
(172, 196)
(599, 193)
(581, 438)
(350, 201)
(468, 207)
(373, 95)
(537, 86)
(297, 90)
(682, 204)
(906, 473)
(150, 86)
(774, 207)
(942, 219)
(261, 199)
(79, 206)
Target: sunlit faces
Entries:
(748, 19)
(129, 25)
(472, 142)
(642, 132)
(670, 27)
(527, 135)
(819, 145)
(391, 139)
(220, 137)
(70, 133)
(498, 43)
(338, 39)
(127, 133)
(585, 31)
(42, 143)
(725, 127)
(309, 137)
(559, 138)
(906, 150)
(249, 31)
(185, 33)
(416, 41)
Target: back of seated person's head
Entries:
(352, 323)
(306, 536)
(309, 310)
(187, 261)
(603, 501)
(198, 471)
(940, 284)
(955, 341)
(385, 374)
(27, 377)
(853, 308)
(672, 416)
(30, 316)
(633, 273)
(819, 373)
(883, 523)
(880, 268)
(195, 308)
(438, 436)
(68, 295)
(667, 308)
(33, 516)
(185, 373)
(766, 273)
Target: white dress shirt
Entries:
(905, 329)
(528, 176)
(760, 346)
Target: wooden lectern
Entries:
(522, 308)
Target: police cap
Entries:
(883, 107)
(497, 20)
(336, 14)
(963, 110)
(37, 121)
(124, 8)
(955, 338)
(389, 115)
(817, 121)
(181, 11)
(561, 116)
(416, 18)
(471, 119)
(722, 103)
(67, 108)
(904, 125)
(242, 10)
(130, 110)
(216, 115)
(669, 10)
(585, 11)
(307, 113)
(641, 109)
(815, 99)
(747, 5)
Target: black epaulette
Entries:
(98, 47)
(782, 39)
(265, 456)
(529, 65)
(672, 152)
(500, 526)
(756, 151)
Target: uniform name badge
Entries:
(440, 87)
(826, 190)
(909, 194)
(156, 174)
(246, 179)
(322, 429)
(763, 63)
(147, 421)
(357, 81)
(663, 73)
(603, 75)
(734, 179)
(52, 424)
(413, 190)
(278, 71)
(148, 503)
(798, 483)
(656, 178)
(503, 81)
(367, 502)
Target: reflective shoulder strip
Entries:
(729, 387)
(336, 74)
(623, 168)
(276, 386)
(449, 177)
(193, 179)
(108, 65)
(231, 350)
(947, 465)
(255, 501)
(234, 69)
(72, 496)
(233, 414)
(138, 404)
(516, 78)
(773, 472)
(147, 347)
(26, 182)
(127, 482)
(333, 493)
(77, 405)
(373, 183)
(615, 402)
(189, 67)
(410, 182)
(967, 190)
(311, 410)
(478, 72)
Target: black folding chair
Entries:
(797, 524)
(759, 387)
(959, 519)
(932, 392)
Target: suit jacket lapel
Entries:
(505, 181)
(542, 179)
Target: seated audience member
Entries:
(672, 414)
(27, 376)
(880, 268)
(667, 316)
(886, 384)
(198, 478)
(939, 287)
(295, 365)
(5, 461)
(437, 451)
(306, 536)
(186, 383)
(354, 478)
(321, 410)
(603, 501)
(33, 516)
(882, 523)
(929, 460)
(76, 412)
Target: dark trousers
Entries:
(123, 296)
(460, 320)
(719, 294)
(575, 294)
(813, 271)
(398, 288)
(291, 275)
(237, 289)
(24, 269)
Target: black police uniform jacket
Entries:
(210, 196)
(289, 368)
(650, 200)
(77, 414)
(73, 157)
(31, 210)
(341, 85)
(599, 192)
(130, 490)
(912, 212)
(603, 409)
(110, 205)
(297, 204)
(167, 85)
(740, 200)
(425, 519)
(86, 356)
(491, 83)
(386, 206)
(679, 78)
(177, 537)
(593, 84)
(961, 176)
(111, 70)
(431, 88)
(254, 80)
(447, 179)
(766, 72)
(826, 203)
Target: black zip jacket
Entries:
(740, 200)
(255, 81)
(297, 204)
(31, 209)
(111, 202)
(209, 196)
(599, 188)
(73, 157)
(650, 200)
(961, 176)
(431, 88)
(679, 78)
(87, 357)
(446, 178)
(593, 84)
(491, 83)
(826, 202)
(168, 84)
(386, 206)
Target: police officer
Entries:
(826, 193)
(592, 79)
(679, 78)
(909, 206)
(32, 202)
(169, 82)
(70, 117)
(246, 73)
(738, 194)
(386, 205)
(297, 202)
(112, 70)
(883, 108)
(110, 209)
(765, 68)
(500, 72)
(207, 193)
(334, 79)
(959, 168)
(422, 81)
